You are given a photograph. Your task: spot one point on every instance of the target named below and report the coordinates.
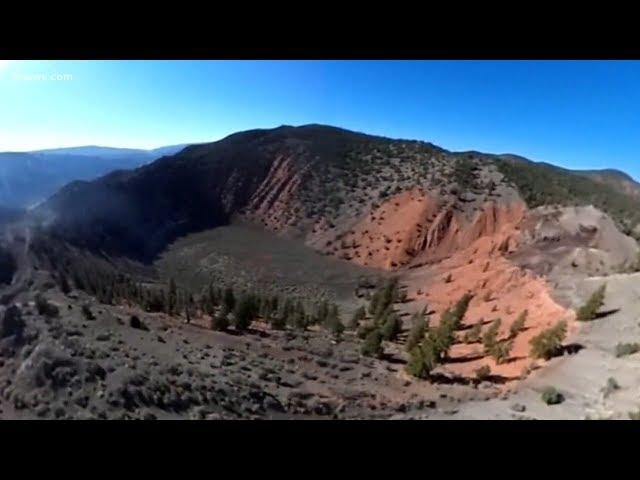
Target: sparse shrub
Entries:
(172, 297)
(45, 308)
(473, 334)
(422, 360)
(364, 330)
(295, 315)
(501, 350)
(381, 316)
(333, 322)
(323, 312)
(590, 309)
(372, 346)
(518, 324)
(551, 396)
(417, 333)
(12, 323)
(547, 343)
(483, 373)
(220, 321)
(64, 283)
(401, 296)
(442, 337)
(298, 320)
(461, 307)
(358, 316)
(87, 313)
(611, 386)
(391, 327)
(229, 299)
(337, 328)
(490, 336)
(383, 298)
(448, 278)
(278, 322)
(634, 415)
(243, 314)
(624, 349)
(135, 322)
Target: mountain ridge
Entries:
(316, 175)
(27, 178)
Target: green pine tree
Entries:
(372, 346)
(358, 316)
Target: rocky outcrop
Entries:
(415, 226)
(272, 202)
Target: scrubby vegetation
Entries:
(543, 184)
(501, 351)
(624, 349)
(551, 396)
(474, 334)
(44, 307)
(634, 415)
(498, 350)
(434, 348)
(482, 373)
(548, 342)
(417, 332)
(490, 336)
(358, 316)
(391, 327)
(518, 324)
(611, 386)
(87, 313)
(372, 346)
(589, 310)
(224, 307)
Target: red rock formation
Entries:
(414, 225)
(272, 201)
(415, 228)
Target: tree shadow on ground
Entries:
(259, 333)
(465, 359)
(499, 379)
(605, 313)
(469, 327)
(514, 359)
(569, 349)
(442, 379)
(392, 359)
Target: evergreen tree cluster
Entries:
(385, 323)
(224, 306)
(498, 349)
(434, 347)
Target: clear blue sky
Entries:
(575, 114)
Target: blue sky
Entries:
(579, 114)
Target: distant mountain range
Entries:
(27, 178)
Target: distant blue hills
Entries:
(28, 178)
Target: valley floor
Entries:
(106, 365)
(73, 367)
